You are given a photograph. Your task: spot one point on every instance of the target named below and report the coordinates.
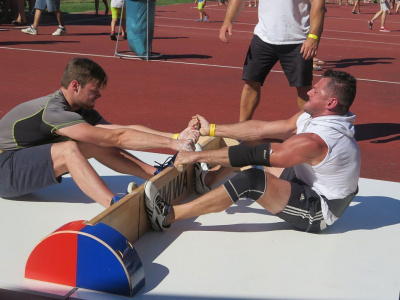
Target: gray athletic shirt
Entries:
(34, 123)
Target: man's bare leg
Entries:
(302, 96)
(274, 200)
(37, 18)
(249, 100)
(215, 201)
(60, 18)
(68, 158)
(118, 160)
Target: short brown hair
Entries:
(84, 70)
(343, 86)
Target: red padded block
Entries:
(54, 259)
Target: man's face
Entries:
(318, 97)
(88, 95)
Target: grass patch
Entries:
(77, 6)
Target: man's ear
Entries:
(74, 85)
(332, 103)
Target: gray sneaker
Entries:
(60, 31)
(200, 172)
(157, 209)
(199, 183)
(30, 30)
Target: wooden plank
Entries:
(128, 215)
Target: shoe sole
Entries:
(150, 204)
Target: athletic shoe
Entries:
(384, 29)
(370, 23)
(198, 20)
(317, 68)
(157, 209)
(206, 18)
(60, 31)
(113, 37)
(199, 183)
(200, 172)
(169, 162)
(30, 30)
(115, 199)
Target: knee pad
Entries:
(251, 183)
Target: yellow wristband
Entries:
(212, 129)
(176, 135)
(313, 36)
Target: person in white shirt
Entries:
(318, 153)
(288, 32)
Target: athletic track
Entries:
(200, 74)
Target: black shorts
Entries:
(304, 208)
(26, 170)
(261, 57)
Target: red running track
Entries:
(200, 74)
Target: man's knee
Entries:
(253, 86)
(65, 150)
(250, 183)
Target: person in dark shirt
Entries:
(43, 139)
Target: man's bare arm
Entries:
(124, 138)
(317, 15)
(233, 10)
(303, 148)
(252, 130)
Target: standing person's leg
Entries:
(54, 6)
(60, 18)
(113, 23)
(260, 59)
(356, 7)
(383, 19)
(249, 100)
(298, 71)
(106, 5)
(37, 18)
(302, 96)
(40, 5)
(114, 19)
(21, 20)
(385, 9)
(96, 7)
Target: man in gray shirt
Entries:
(43, 139)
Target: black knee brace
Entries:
(250, 183)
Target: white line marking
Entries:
(171, 61)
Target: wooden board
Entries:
(128, 215)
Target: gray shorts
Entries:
(261, 57)
(385, 5)
(51, 5)
(26, 170)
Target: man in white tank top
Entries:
(318, 153)
(288, 32)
